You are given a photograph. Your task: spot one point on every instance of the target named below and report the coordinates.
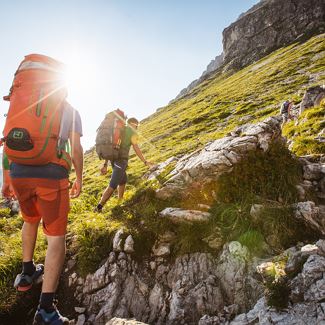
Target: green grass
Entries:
(303, 133)
(92, 240)
(219, 104)
(254, 241)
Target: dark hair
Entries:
(132, 120)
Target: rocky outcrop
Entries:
(212, 66)
(267, 26)
(307, 293)
(206, 290)
(312, 97)
(313, 177)
(312, 215)
(177, 215)
(157, 292)
(270, 25)
(121, 321)
(220, 156)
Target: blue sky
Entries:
(133, 54)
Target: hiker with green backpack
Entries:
(113, 142)
(40, 127)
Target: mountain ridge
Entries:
(261, 30)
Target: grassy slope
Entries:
(208, 112)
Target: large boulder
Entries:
(220, 156)
(312, 97)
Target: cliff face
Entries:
(270, 25)
(265, 27)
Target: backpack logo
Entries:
(18, 135)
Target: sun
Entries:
(80, 76)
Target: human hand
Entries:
(103, 170)
(8, 191)
(76, 189)
(149, 164)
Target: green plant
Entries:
(254, 241)
(304, 132)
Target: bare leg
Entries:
(120, 191)
(29, 236)
(106, 195)
(54, 260)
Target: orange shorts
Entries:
(46, 199)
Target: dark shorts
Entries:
(119, 176)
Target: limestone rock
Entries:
(177, 215)
(121, 321)
(268, 25)
(314, 171)
(256, 33)
(312, 97)
(117, 241)
(232, 272)
(256, 212)
(179, 293)
(212, 66)
(220, 156)
(128, 245)
(81, 319)
(161, 249)
(307, 296)
(158, 169)
(311, 214)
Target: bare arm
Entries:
(103, 169)
(140, 155)
(7, 189)
(77, 161)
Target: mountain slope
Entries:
(225, 101)
(209, 111)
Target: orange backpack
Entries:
(33, 121)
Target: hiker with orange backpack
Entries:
(113, 142)
(39, 128)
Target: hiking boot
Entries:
(98, 208)
(52, 318)
(24, 282)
